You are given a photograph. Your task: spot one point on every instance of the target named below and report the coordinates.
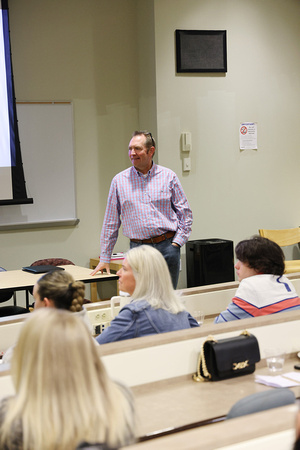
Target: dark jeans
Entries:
(171, 253)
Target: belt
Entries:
(155, 239)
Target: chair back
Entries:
(52, 262)
(261, 401)
(284, 237)
(12, 310)
(118, 299)
(5, 294)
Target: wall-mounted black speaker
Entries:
(209, 261)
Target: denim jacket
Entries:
(138, 318)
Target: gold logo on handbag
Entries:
(240, 365)
(217, 357)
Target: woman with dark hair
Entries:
(263, 288)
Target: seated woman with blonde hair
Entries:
(63, 394)
(155, 307)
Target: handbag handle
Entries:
(206, 375)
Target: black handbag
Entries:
(227, 358)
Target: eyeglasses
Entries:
(151, 137)
(150, 142)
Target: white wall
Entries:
(234, 193)
(87, 53)
(115, 59)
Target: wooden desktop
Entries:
(115, 265)
(19, 280)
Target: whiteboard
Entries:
(47, 148)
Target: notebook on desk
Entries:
(41, 269)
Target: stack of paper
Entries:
(117, 256)
(289, 379)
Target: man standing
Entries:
(149, 201)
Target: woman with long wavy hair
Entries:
(63, 393)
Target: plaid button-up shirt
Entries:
(147, 206)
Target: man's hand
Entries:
(175, 244)
(102, 267)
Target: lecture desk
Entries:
(114, 265)
(179, 404)
(19, 280)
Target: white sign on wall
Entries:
(248, 136)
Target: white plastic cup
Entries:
(275, 358)
(199, 316)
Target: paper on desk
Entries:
(117, 256)
(289, 379)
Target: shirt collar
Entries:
(149, 171)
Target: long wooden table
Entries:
(159, 370)
(20, 280)
(180, 403)
(272, 429)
